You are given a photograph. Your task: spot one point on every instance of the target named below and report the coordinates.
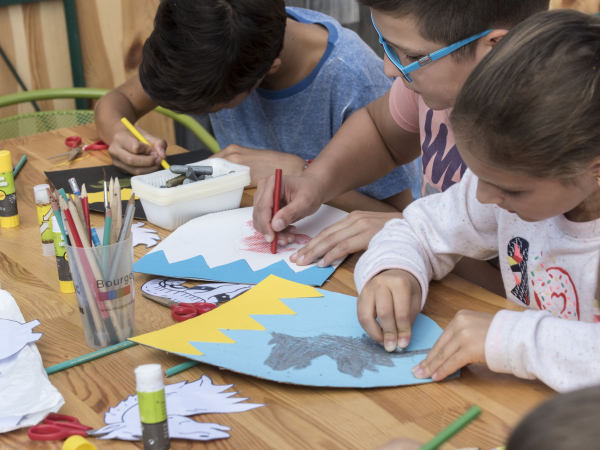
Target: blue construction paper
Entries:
(332, 315)
(156, 263)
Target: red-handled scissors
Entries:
(185, 311)
(75, 143)
(56, 427)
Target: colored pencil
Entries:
(89, 357)
(105, 191)
(180, 368)
(86, 210)
(165, 165)
(453, 428)
(276, 202)
(119, 206)
(126, 230)
(107, 226)
(19, 165)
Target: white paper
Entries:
(228, 236)
(26, 392)
(141, 236)
(16, 335)
(182, 400)
(174, 290)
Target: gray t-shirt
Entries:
(302, 119)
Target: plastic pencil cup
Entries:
(103, 279)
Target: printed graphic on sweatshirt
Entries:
(554, 290)
(518, 254)
(441, 168)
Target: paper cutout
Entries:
(14, 336)
(141, 235)
(174, 290)
(215, 247)
(93, 179)
(264, 300)
(182, 399)
(291, 333)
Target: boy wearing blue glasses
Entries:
(431, 46)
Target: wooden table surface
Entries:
(295, 417)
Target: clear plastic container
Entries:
(170, 208)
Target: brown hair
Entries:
(450, 21)
(566, 422)
(205, 52)
(532, 105)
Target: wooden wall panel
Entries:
(33, 35)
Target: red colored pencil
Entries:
(73, 235)
(276, 199)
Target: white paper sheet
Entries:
(16, 335)
(182, 399)
(26, 393)
(228, 236)
(174, 290)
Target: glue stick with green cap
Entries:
(9, 216)
(150, 389)
(65, 280)
(44, 213)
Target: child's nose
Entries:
(389, 68)
(488, 195)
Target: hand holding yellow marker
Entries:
(142, 139)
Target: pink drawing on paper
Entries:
(253, 241)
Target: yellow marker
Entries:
(9, 215)
(141, 138)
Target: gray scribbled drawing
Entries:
(353, 355)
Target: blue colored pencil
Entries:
(180, 368)
(89, 357)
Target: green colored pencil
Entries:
(107, 227)
(89, 357)
(453, 428)
(19, 165)
(180, 368)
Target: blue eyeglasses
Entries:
(405, 70)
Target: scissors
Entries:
(185, 311)
(75, 143)
(57, 426)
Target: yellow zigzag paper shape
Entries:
(233, 315)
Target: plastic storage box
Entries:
(170, 208)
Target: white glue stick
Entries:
(150, 389)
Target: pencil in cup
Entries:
(165, 165)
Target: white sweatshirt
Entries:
(550, 267)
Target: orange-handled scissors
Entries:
(185, 311)
(57, 426)
(75, 143)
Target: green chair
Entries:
(38, 122)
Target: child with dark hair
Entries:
(431, 47)
(277, 83)
(527, 125)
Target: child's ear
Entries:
(595, 170)
(275, 66)
(488, 42)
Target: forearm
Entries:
(355, 157)
(356, 201)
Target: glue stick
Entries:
(44, 213)
(65, 280)
(9, 216)
(150, 389)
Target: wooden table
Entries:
(295, 417)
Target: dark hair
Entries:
(450, 21)
(205, 52)
(532, 105)
(566, 422)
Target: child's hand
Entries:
(394, 297)
(462, 343)
(262, 163)
(351, 234)
(133, 156)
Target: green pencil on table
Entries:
(19, 165)
(453, 428)
(89, 357)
